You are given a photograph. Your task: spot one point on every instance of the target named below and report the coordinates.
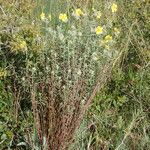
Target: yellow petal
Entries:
(99, 30)
(63, 17)
(42, 16)
(108, 38)
(114, 7)
(78, 12)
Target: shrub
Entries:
(118, 118)
(58, 65)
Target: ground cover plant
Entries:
(74, 75)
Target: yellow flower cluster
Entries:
(42, 16)
(114, 7)
(107, 38)
(63, 17)
(78, 12)
(99, 30)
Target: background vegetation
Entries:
(119, 115)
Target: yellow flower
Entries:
(99, 30)
(114, 7)
(63, 17)
(116, 30)
(42, 16)
(23, 45)
(108, 38)
(78, 12)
